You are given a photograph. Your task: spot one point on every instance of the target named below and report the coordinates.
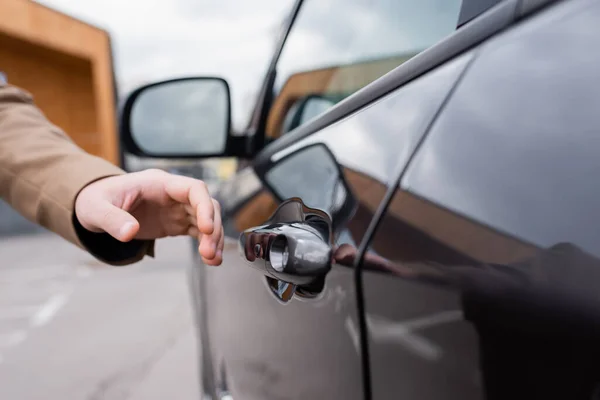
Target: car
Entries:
(415, 211)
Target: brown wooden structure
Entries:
(66, 64)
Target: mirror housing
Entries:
(180, 118)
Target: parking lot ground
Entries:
(72, 328)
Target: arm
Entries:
(42, 172)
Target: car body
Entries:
(419, 223)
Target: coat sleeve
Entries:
(42, 171)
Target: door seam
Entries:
(374, 225)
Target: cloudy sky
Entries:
(158, 39)
(234, 39)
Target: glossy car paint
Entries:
(482, 279)
(478, 282)
(326, 344)
(271, 350)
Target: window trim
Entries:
(484, 26)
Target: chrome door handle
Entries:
(292, 249)
(291, 252)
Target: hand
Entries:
(150, 205)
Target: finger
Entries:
(203, 204)
(189, 209)
(118, 223)
(193, 192)
(193, 231)
(214, 262)
(221, 245)
(218, 260)
(175, 221)
(209, 243)
(218, 232)
(180, 216)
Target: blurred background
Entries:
(148, 41)
(71, 327)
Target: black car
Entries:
(416, 213)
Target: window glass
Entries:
(337, 47)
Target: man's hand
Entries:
(150, 205)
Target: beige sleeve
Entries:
(42, 171)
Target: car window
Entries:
(336, 47)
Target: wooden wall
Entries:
(66, 65)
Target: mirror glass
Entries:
(184, 117)
(313, 175)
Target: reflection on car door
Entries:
(305, 348)
(482, 279)
(312, 346)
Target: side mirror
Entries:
(313, 174)
(179, 118)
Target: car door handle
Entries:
(294, 253)
(293, 246)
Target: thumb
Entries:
(116, 222)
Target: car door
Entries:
(309, 347)
(481, 281)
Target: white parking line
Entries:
(49, 309)
(31, 297)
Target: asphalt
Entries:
(72, 328)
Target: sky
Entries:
(234, 39)
(161, 39)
